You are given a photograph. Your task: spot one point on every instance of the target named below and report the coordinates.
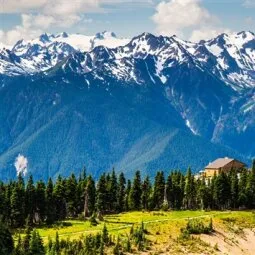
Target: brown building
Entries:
(219, 165)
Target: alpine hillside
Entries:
(149, 103)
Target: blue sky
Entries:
(188, 19)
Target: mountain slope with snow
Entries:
(151, 102)
(229, 57)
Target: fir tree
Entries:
(36, 244)
(40, 201)
(105, 235)
(242, 188)
(30, 200)
(113, 191)
(57, 244)
(18, 248)
(158, 191)
(71, 195)
(136, 192)
(127, 196)
(146, 193)
(6, 241)
(116, 249)
(169, 191)
(26, 241)
(234, 188)
(121, 193)
(250, 187)
(101, 195)
(189, 190)
(89, 196)
(50, 203)
(222, 189)
(17, 207)
(59, 199)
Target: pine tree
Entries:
(127, 246)
(26, 241)
(30, 200)
(234, 188)
(36, 244)
(57, 244)
(50, 203)
(2, 199)
(178, 189)
(169, 191)
(101, 195)
(59, 199)
(113, 191)
(116, 249)
(18, 248)
(105, 236)
(121, 193)
(189, 189)
(101, 247)
(250, 187)
(158, 191)
(127, 196)
(146, 193)
(6, 241)
(222, 189)
(203, 195)
(136, 192)
(17, 207)
(40, 201)
(71, 195)
(242, 188)
(90, 197)
(6, 212)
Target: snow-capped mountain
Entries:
(229, 57)
(146, 103)
(48, 50)
(78, 41)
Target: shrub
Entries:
(139, 237)
(196, 226)
(92, 219)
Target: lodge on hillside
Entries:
(221, 165)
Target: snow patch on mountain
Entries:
(230, 58)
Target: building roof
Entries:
(220, 162)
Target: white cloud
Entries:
(174, 15)
(54, 6)
(249, 3)
(206, 33)
(27, 30)
(39, 15)
(61, 6)
(21, 164)
(18, 6)
(177, 16)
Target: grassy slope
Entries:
(163, 229)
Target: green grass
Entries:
(163, 228)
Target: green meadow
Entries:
(162, 228)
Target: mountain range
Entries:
(149, 103)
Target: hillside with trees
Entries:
(28, 205)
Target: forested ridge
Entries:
(25, 204)
(34, 203)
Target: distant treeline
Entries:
(35, 203)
